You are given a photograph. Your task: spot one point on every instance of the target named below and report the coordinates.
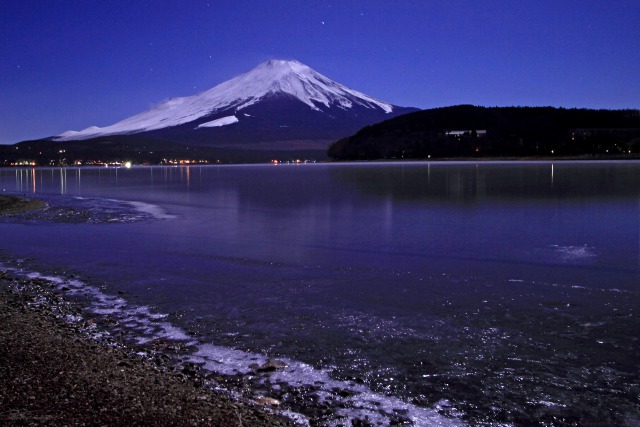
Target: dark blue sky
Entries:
(71, 64)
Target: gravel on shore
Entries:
(51, 374)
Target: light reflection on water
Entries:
(473, 283)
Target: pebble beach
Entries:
(51, 373)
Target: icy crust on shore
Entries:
(353, 401)
(57, 371)
(66, 209)
(152, 333)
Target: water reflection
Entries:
(441, 182)
(26, 180)
(63, 181)
(485, 182)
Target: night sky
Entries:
(72, 64)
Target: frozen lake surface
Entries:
(427, 293)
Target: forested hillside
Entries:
(470, 131)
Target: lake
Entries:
(436, 293)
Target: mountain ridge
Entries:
(227, 104)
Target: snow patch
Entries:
(219, 122)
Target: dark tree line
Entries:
(469, 131)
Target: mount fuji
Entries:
(279, 105)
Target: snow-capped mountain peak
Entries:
(296, 79)
(271, 78)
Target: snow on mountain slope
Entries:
(223, 121)
(270, 78)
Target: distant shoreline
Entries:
(550, 158)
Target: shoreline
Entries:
(270, 391)
(631, 157)
(52, 373)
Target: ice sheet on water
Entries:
(226, 360)
(567, 254)
(154, 210)
(67, 209)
